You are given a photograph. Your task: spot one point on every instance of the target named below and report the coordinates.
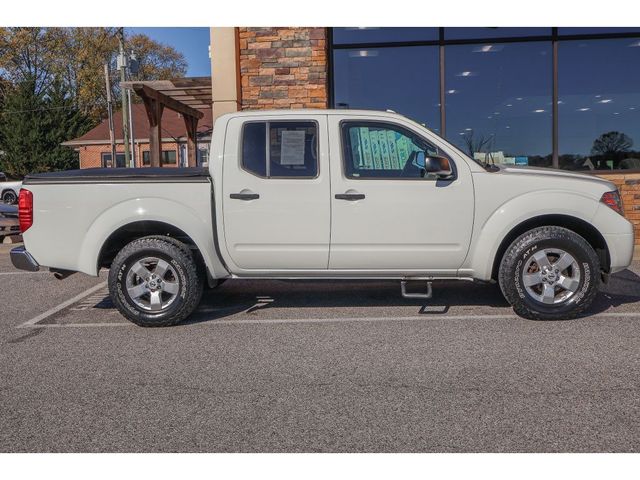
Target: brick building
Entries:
(497, 82)
(94, 147)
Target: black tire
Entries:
(188, 276)
(9, 197)
(519, 255)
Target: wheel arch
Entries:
(575, 224)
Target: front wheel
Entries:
(550, 273)
(155, 282)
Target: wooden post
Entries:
(154, 110)
(192, 140)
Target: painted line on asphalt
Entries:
(24, 273)
(33, 322)
(272, 321)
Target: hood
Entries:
(543, 173)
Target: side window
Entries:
(380, 150)
(290, 149)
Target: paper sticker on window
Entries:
(292, 149)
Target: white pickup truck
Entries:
(325, 194)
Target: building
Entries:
(564, 98)
(94, 147)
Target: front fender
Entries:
(196, 224)
(489, 234)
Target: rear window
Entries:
(280, 149)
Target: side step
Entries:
(405, 294)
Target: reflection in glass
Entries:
(402, 79)
(498, 102)
(471, 33)
(383, 34)
(599, 104)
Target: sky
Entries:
(192, 42)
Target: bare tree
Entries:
(476, 144)
(611, 143)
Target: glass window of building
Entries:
(471, 33)
(383, 34)
(596, 30)
(168, 157)
(599, 104)
(498, 101)
(402, 79)
(106, 160)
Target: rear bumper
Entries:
(620, 250)
(23, 260)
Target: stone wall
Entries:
(283, 67)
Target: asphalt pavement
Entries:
(274, 366)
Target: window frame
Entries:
(267, 124)
(105, 154)
(344, 125)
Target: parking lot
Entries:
(315, 366)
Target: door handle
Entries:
(244, 196)
(351, 197)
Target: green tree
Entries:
(33, 124)
(76, 57)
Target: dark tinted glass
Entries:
(383, 34)
(293, 149)
(380, 150)
(403, 79)
(596, 30)
(169, 157)
(599, 110)
(146, 160)
(498, 101)
(466, 33)
(254, 151)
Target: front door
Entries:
(387, 214)
(276, 193)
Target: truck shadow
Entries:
(252, 297)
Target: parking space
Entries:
(315, 366)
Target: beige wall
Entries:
(225, 81)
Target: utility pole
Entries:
(112, 138)
(122, 66)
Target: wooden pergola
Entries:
(187, 96)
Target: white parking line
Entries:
(273, 321)
(62, 306)
(23, 273)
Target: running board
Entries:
(405, 294)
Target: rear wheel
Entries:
(155, 282)
(550, 273)
(10, 197)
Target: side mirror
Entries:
(439, 166)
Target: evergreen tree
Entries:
(32, 126)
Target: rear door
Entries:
(276, 193)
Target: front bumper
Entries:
(23, 260)
(620, 250)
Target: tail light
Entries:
(612, 200)
(25, 209)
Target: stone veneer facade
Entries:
(283, 67)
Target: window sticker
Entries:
(393, 151)
(292, 147)
(365, 141)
